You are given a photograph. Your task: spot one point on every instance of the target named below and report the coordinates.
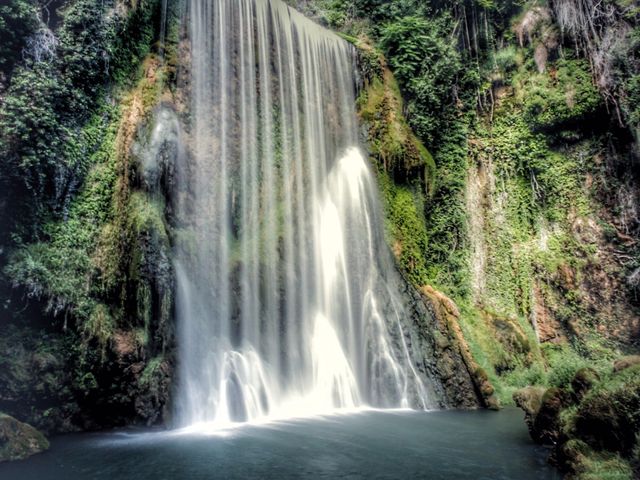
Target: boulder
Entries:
(583, 381)
(19, 440)
(542, 409)
(529, 399)
(547, 424)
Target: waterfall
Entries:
(288, 302)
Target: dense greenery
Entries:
(52, 93)
(83, 251)
(18, 19)
(503, 139)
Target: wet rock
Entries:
(19, 440)
(465, 383)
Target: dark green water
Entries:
(368, 445)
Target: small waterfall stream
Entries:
(288, 301)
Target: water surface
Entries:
(366, 445)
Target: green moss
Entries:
(390, 139)
(405, 227)
(587, 464)
(447, 254)
(505, 348)
(100, 327)
(147, 215)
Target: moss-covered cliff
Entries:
(87, 282)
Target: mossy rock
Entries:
(583, 381)
(529, 399)
(626, 362)
(391, 141)
(547, 425)
(542, 409)
(581, 462)
(609, 415)
(19, 440)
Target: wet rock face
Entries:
(465, 384)
(19, 440)
(158, 153)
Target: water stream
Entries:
(288, 300)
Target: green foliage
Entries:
(588, 464)
(609, 415)
(151, 372)
(423, 56)
(99, 326)
(391, 140)
(60, 270)
(507, 59)
(32, 371)
(56, 274)
(48, 103)
(446, 217)
(562, 97)
(564, 362)
(626, 72)
(18, 19)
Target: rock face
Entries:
(452, 384)
(19, 440)
(453, 356)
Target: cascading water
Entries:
(288, 301)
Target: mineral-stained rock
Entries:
(453, 354)
(19, 440)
